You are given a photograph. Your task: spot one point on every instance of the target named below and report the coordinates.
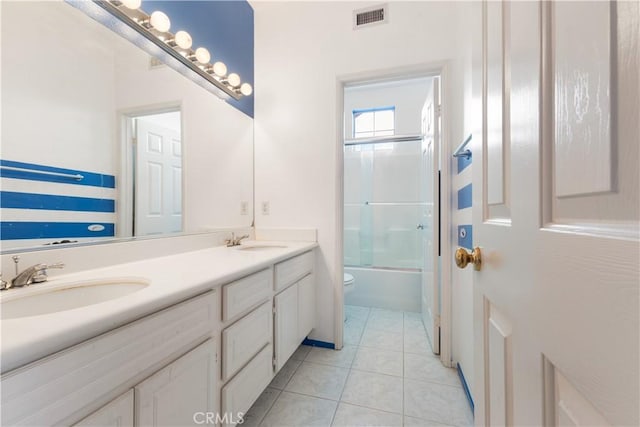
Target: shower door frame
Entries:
(435, 69)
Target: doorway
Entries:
(391, 239)
(152, 192)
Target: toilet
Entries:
(349, 286)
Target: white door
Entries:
(158, 207)
(173, 395)
(306, 306)
(556, 213)
(430, 225)
(117, 413)
(286, 324)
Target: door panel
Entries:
(286, 324)
(556, 302)
(158, 198)
(117, 413)
(430, 218)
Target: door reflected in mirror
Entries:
(101, 141)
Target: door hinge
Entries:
(436, 321)
(134, 140)
(439, 110)
(273, 363)
(273, 309)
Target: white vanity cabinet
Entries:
(174, 395)
(294, 307)
(160, 356)
(117, 413)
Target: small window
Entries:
(374, 122)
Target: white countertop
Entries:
(172, 279)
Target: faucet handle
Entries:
(41, 271)
(3, 283)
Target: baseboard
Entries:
(315, 343)
(465, 386)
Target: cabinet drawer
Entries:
(242, 340)
(291, 270)
(241, 295)
(246, 387)
(50, 390)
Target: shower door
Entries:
(430, 224)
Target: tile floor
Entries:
(385, 375)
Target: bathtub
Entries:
(385, 288)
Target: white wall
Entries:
(301, 50)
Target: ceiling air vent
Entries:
(370, 16)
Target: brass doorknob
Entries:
(463, 257)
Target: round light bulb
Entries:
(246, 89)
(131, 4)
(183, 39)
(219, 69)
(234, 79)
(160, 21)
(202, 55)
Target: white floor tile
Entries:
(353, 333)
(416, 341)
(295, 410)
(380, 313)
(388, 324)
(342, 358)
(417, 422)
(379, 361)
(437, 402)
(284, 375)
(318, 380)
(374, 391)
(421, 367)
(381, 339)
(357, 416)
(260, 408)
(356, 313)
(301, 353)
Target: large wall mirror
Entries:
(102, 141)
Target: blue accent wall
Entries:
(463, 162)
(465, 236)
(225, 28)
(17, 200)
(465, 197)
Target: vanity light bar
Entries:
(155, 27)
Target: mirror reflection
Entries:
(101, 141)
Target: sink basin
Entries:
(66, 297)
(260, 247)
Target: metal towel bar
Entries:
(461, 152)
(61, 175)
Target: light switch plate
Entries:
(244, 208)
(265, 208)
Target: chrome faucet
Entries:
(34, 274)
(233, 241)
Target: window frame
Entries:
(373, 110)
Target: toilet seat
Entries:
(348, 279)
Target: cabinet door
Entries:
(306, 306)
(117, 413)
(286, 325)
(173, 395)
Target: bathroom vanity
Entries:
(197, 344)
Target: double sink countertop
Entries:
(171, 279)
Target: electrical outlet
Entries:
(265, 208)
(244, 208)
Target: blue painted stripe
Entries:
(465, 386)
(315, 343)
(465, 236)
(15, 200)
(45, 230)
(89, 178)
(463, 162)
(464, 197)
